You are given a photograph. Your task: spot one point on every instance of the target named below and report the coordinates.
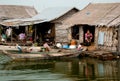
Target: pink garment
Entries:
(21, 36)
(46, 46)
(88, 36)
(79, 47)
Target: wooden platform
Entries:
(99, 54)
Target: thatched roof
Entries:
(15, 11)
(115, 22)
(97, 14)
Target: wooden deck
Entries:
(100, 54)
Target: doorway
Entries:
(91, 29)
(46, 32)
(75, 32)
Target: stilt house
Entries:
(47, 24)
(13, 13)
(52, 22)
(103, 21)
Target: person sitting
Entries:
(81, 47)
(25, 50)
(19, 48)
(46, 46)
(88, 38)
(22, 37)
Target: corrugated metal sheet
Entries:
(30, 21)
(50, 14)
(21, 22)
(45, 16)
(96, 14)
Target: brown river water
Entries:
(76, 69)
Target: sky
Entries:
(40, 5)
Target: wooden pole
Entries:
(11, 35)
(118, 39)
(35, 33)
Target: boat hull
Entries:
(41, 56)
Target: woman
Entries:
(22, 36)
(88, 37)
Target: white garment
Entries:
(2, 39)
(8, 31)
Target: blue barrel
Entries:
(65, 46)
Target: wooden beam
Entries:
(118, 48)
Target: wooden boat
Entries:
(15, 55)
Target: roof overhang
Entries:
(21, 22)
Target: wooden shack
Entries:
(11, 15)
(46, 24)
(103, 21)
(52, 22)
(60, 31)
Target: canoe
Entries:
(41, 55)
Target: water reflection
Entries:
(85, 69)
(28, 65)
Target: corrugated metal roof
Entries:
(53, 13)
(21, 22)
(46, 15)
(96, 14)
